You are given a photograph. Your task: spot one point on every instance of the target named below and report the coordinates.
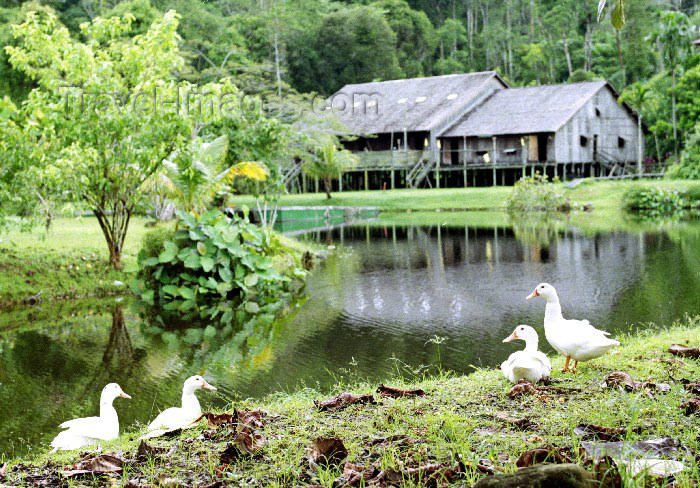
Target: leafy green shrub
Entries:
(653, 200)
(217, 267)
(536, 193)
(153, 241)
(689, 165)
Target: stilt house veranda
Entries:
(473, 129)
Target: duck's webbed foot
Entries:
(566, 365)
(575, 368)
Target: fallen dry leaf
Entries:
(219, 419)
(342, 400)
(145, 451)
(690, 386)
(684, 351)
(105, 463)
(598, 432)
(692, 406)
(356, 475)
(327, 450)
(551, 454)
(606, 472)
(522, 387)
(398, 392)
(622, 380)
(521, 423)
(663, 446)
(658, 468)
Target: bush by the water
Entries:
(218, 267)
(536, 193)
(689, 165)
(655, 200)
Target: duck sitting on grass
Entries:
(575, 339)
(529, 364)
(90, 430)
(180, 417)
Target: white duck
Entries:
(529, 364)
(89, 430)
(575, 339)
(180, 417)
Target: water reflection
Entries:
(370, 312)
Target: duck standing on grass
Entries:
(529, 364)
(180, 417)
(575, 339)
(89, 430)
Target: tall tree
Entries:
(102, 148)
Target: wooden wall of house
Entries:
(385, 142)
(509, 149)
(597, 127)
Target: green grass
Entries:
(453, 422)
(70, 261)
(602, 194)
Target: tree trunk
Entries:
(588, 45)
(327, 186)
(619, 57)
(114, 229)
(567, 53)
(673, 112)
(278, 73)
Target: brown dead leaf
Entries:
(219, 419)
(342, 400)
(251, 418)
(551, 454)
(598, 432)
(692, 406)
(606, 472)
(622, 380)
(249, 440)
(684, 351)
(690, 386)
(356, 475)
(229, 454)
(327, 450)
(392, 392)
(105, 463)
(521, 423)
(145, 451)
(522, 387)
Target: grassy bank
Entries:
(602, 194)
(457, 420)
(68, 261)
(71, 261)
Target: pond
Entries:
(396, 298)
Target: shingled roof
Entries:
(525, 110)
(417, 104)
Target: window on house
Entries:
(620, 142)
(509, 151)
(584, 141)
(597, 113)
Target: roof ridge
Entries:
(471, 73)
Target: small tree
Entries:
(328, 163)
(102, 144)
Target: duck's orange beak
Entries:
(124, 395)
(207, 386)
(511, 337)
(532, 295)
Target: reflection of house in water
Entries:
(415, 277)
